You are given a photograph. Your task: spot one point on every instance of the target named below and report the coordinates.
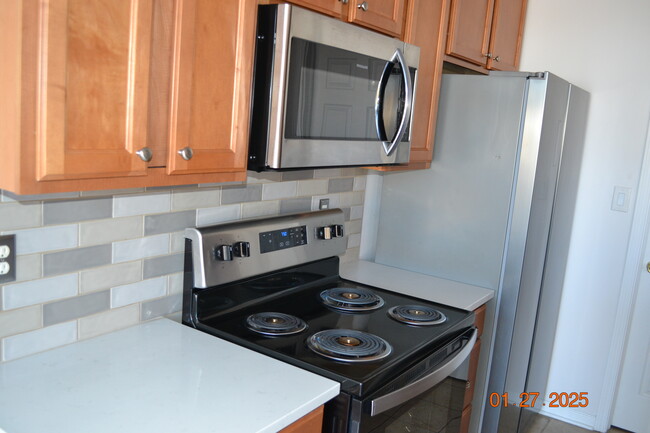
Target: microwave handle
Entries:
(389, 146)
(403, 395)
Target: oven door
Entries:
(347, 94)
(428, 397)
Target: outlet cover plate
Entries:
(10, 241)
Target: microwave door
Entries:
(393, 103)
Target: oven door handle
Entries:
(389, 146)
(403, 395)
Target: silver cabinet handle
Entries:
(344, 1)
(145, 154)
(402, 395)
(363, 6)
(186, 153)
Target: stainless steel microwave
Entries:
(327, 93)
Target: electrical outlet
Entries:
(324, 203)
(7, 258)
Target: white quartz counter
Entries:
(447, 292)
(159, 377)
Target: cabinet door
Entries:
(507, 31)
(468, 37)
(386, 16)
(329, 7)
(211, 84)
(91, 96)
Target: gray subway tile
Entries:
(44, 239)
(20, 215)
(169, 222)
(110, 276)
(292, 205)
(163, 265)
(298, 175)
(74, 308)
(160, 307)
(8, 196)
(110, 230)
(134, 249)
(241, 193)
(343, 184)
(346, 213)
(67, 211)
(74, 260)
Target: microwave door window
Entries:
(331, 93)
(393, 103)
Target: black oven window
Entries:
(332, 93)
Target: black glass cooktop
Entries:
(223, 311)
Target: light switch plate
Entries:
(7, 258)
(621, 199)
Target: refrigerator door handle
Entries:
(402, 395)
(389, 146)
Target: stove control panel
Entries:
(282, 239)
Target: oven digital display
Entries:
(282, 239)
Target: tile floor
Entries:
(543, 424)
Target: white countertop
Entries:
(447, 292)
(159, 377)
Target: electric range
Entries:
(272, 285)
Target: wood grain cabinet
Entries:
(486, 33)
(386, 16)
(310, 423)
(426, 27)
(115, 94)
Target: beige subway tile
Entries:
(108, 321)
(22, 320)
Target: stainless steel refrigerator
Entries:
(494, 210)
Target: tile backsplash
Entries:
(89, 263)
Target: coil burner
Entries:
(418, 315)
(347, 345)
(270, 323)
(352, 299)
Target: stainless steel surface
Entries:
(493, 211)
(208, 271)
(145, 154)
(402, 395)
(297, 153)
(363, 6)
(186, 153)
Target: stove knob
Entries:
(241, 249)
(337, 231)
(324, 232)
(223, 252)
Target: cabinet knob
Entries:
(186, 153)
(363, 6)
(488, 55)
(497, 58)
(145, 154)
(344, 1)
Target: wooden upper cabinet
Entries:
(470, 22)
(92, 82)
(486, 33)
(506, 35)
(426, 27)
(88, 85)
(386, 16)
(208, 126)
(335, 8)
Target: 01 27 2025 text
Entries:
(529, 399)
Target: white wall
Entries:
(602, 46)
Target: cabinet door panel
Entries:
(469, 30)
(384, 15)
(93, 77)
(211, 82)
(507, 31)
(329, 7)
